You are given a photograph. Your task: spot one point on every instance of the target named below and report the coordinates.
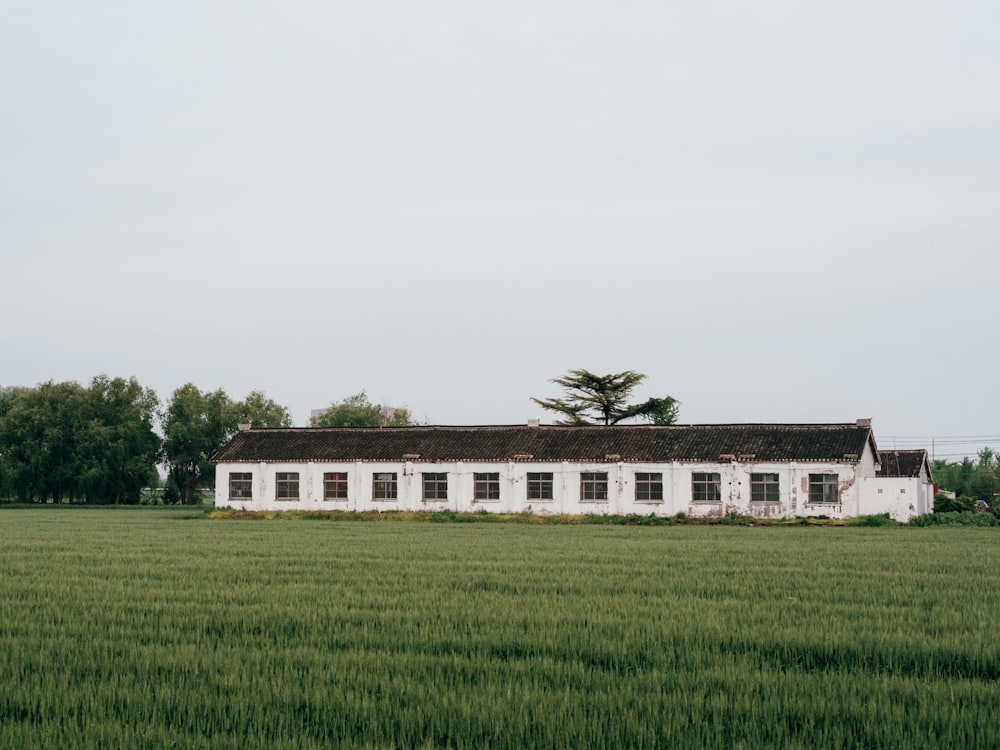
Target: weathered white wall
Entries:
(857, 495)
(900, 497)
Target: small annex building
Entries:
(759, 470)
(905, 482)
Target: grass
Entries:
(157, 627)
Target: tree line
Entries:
(103, 442)
(66, 442)
(971, 480)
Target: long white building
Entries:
(778, 470)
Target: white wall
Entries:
(677, 488)
(900, 497)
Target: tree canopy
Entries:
(970, 480)
(197, 424)
(603, 399)
(359, 411)
(65, 441)
(68, 442)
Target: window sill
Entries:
(481, 500)
(649, 502)
(594, 502)
(706, 502)
(287, 499)
(540, 500)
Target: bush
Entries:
(879, 519)
(954, 518)
(945, 504)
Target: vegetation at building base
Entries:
(955, 518)
(552, 519)
(149, 627)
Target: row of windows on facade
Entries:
(706, 487)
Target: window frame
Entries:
(540, 486)
(244, 477)
(650, 484)
(486, 486)
(765, 487)
(337, 482)
(706, 487)
(385, 486)
(593, 486)
(822, 485)
(285, 484)
(433, 484)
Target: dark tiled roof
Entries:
(757, 442)
(902, 463)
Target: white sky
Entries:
(780, 212)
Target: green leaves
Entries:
(197, 424)
(359, 411)
(62, 441)
(603, 399)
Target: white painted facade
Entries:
(858, 490)
(900, 497)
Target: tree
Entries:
(258, 410)
(9, 461)
(359, 411)
(955, 477)
(603, 399)
(985, 483)
(61, 441)
(41, 442)
(971, 480)
(121, 448)
(197, 424)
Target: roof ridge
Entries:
(712, 425)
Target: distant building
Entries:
(766, 471)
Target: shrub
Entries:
(954, 519)
(879, 519)
(945, 504)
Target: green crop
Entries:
(158, 628)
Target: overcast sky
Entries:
(780, 212)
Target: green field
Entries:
(156, 627)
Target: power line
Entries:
(943, 447)
(990, 438)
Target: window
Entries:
(539, 485)
(487, 486)
(824, 488)
(335, 485)
(435, 486)
(648, 487)
(764, 488)
(240, 485)
(594, 485)
(286, 485)
(384, 486)
(706, 488)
